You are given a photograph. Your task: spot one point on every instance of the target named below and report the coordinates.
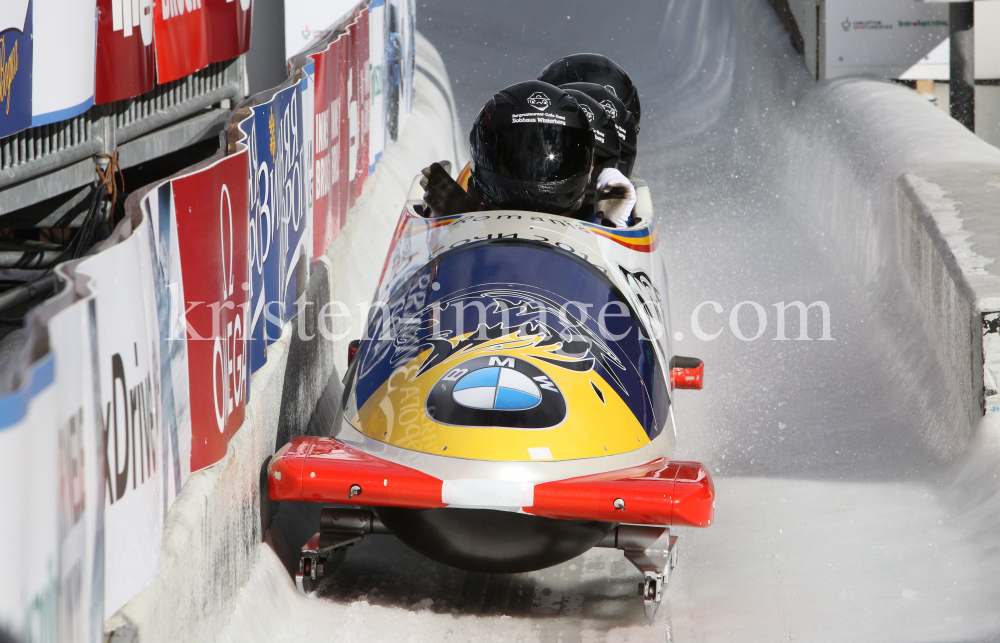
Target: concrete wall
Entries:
(949, 244)
(213, 531)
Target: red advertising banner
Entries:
(181, 42)
(211, 208)
(344, 92)
(354, 118)
(125, 63)
(326, 148)
(364, 98)
(228, 25)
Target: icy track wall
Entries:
(904, 195)
(132, 435)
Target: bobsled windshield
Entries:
(509, 349)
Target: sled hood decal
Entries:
(509, 351)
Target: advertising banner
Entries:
(307, 21)
(209, 206)
(171, 345)
(402, 49)
(326, 132)
(303, 252)
(80, 458)
(181, 40)
(129, 411)
(279, 229)
(353, 87)
(364, 98)
(261, 237)
(62, 73)
(884, 38)
(15, 66)
(343, 81)
(228, 28)
(125, 61)
(29, 549)
(377, 82)
(987, 33)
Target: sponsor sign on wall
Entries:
(280, 243)
(363, 67)
(15, 66)
(307, 86)
(405, 29)
(125, 62)
(181, 41)
(377, 82)
(326, 132)
(210, 207)
(29, 552)
(344, 77)
(308, 21)
(885, 38)
(146, 379)
(65, 42)
(228, 24)
(353, 87)
(80, 464)
(129, 410)
(171, 347)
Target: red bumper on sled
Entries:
(659, 493)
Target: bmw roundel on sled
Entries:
(510, 404)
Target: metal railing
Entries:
(35, 155)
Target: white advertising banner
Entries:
(306, 21)
(171, 347)
(65, 54)
(29, 557)
(884, 38)
(987, 33)
(129, 407)
(81, 474)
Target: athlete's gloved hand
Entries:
(443, 196)
(614, 197)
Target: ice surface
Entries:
(851, 507)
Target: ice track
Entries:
(851, 506)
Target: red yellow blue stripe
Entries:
(642, 240)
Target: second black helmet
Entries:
(607, 145)
(621, 117)
(532, 148)
(595, 68)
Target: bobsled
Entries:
(509, 406)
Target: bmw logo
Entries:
(497, 390)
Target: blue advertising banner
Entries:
(279, 243)
(15, 66)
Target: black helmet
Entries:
(622, 118)
(595, 68)
(607, 147)
(532, 149)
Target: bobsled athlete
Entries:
(610, 195)
(607, 147)
(532, 148)
(619, 115)
(595, 68)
